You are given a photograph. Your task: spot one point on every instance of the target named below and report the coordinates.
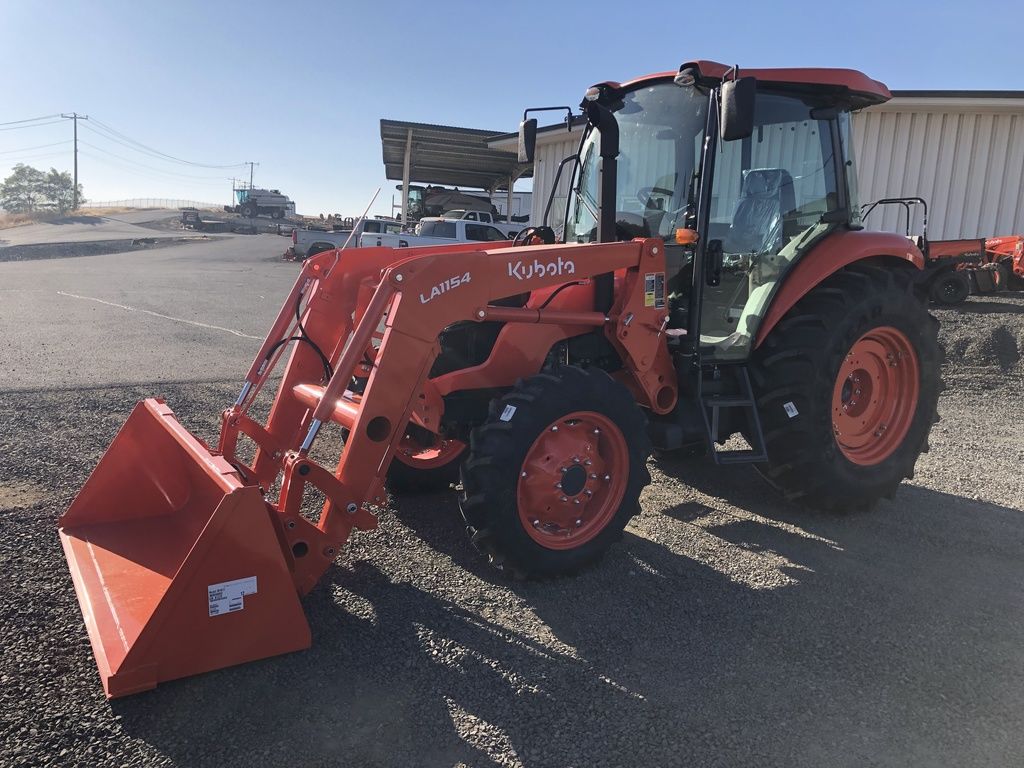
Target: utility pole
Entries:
(250, 163)
(75, 117)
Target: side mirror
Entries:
(527, 140)
(737, 108)
(713, 258)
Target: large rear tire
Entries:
(555, 472)
(847, 386)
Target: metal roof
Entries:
(443, 154)
(958, 94)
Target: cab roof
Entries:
(859, 89)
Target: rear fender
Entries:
(828, 257)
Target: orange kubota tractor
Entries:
(711, 279)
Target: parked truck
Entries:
(439, 231)
(485, 217)
(309, 242)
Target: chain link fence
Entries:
(153, 202)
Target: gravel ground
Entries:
(728, 628)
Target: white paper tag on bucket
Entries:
(790, 409)
(508, 413)
(229, 596)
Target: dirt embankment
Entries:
(984, 334)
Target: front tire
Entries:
(555, 472)
(951, 288)
(425, 462)
(847, 386)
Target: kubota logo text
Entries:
(521, 271)
(452, 282)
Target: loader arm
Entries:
(413, 300)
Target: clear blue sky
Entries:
(300, 86)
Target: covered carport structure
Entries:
(447, 155)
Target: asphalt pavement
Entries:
(727, 628)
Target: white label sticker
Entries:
(790, 409)
(229, 596)
(508, 413)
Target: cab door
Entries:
(772, 196)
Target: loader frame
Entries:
(403, 306)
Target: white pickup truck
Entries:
(438, 231)
(484, 217)
(310, 242)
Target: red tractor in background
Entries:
(954, 269)
(711, 279)
(963, 267)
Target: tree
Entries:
(22, 192)
(28, 190)
(58, 190)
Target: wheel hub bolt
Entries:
(597, 431)
(575, 501)
(587, 462)
(564, 499)
(607, 478)
(579, 522)
(554, 428)
(522, 474)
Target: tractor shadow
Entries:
(724, 612)
(983, 307)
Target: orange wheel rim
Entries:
(573, 480)
(419, 456)
(875, 396)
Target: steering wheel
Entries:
(644, 194)
(535, 236)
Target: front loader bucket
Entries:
(177, 564)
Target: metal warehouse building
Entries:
(963, 151)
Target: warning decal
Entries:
(229, 596)
(654, 290)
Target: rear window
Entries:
(438, 229)
(483, 232)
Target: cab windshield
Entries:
(661, 128)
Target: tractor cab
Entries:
(737, 205)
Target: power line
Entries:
(104, 135)
(30, 120)
(163, 154)
(34, 125)
(147, 167)
(37, 146)
(43, 156)
(152, 175)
